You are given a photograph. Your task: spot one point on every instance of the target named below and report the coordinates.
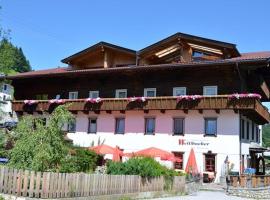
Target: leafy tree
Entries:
(266, 135)
(41, 147)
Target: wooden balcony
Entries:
(251, 107)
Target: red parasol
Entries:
(106, 149)
(191, 166)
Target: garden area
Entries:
(42, 162)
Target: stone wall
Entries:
(254, 193)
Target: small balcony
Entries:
(251, 107)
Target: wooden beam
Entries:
(236, 111)
(146, 111)
(97, 112)
(86, 112)
(186, 111)
(217, 111)
(108, 111)
(162, 111)
(200, 111)
(122, 111)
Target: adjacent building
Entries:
(180, 93)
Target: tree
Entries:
(41, 147)
(12, 58)
(266, 135)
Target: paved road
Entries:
(205, 195)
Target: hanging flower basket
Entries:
(137, 99)
(242, 96)
(57, 101)
(30, 102)
(189, 98)
(93, 100)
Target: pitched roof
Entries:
(245, 57)
(93, 47)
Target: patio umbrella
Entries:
(191, 166)
(106, 149)
(154, 152)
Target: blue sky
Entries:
(51, 30)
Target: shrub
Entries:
(82, 160)
(143, 166)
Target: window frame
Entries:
(145, 90)
(145, 125)
(115, 129)
(183, 126)
(179, 88)
(210, 86)
(182, 162)
(91, 92)
(117, 91)
(215, 161)
(73, 92)
(205, 126)
(247, 131)
(68, 126)
(89, 125)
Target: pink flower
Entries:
(139, 99)
(57, 101)
(249, 95)
(188, 97)
(30, 102)
(93, 100)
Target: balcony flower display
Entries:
(30, 102)
(93, 100)
(189, 98)
(241, 96)
(56, 101)
(138, 99)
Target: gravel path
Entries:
(205, 195)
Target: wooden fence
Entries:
(59, 185)
(248, 181)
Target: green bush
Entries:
(82, 160)
(143, 166)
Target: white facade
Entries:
(225, 143)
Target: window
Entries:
(42, 97)
(149, 92)
(210, 162)
(119, 125)
(242, 129)
(252, 131)
(197, 54)
(58, 96)
(5, 87)
(94, 94)
(92, 125)
(178, 91)
(257, 134)
(247, 129)
(72, 126)
(121, 93)
(178, 165)
(149, 126)
(210, 126)
(73, 95)
(210, 90)
(178, 126)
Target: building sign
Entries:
(193, 142)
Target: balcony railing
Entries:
(251, 107)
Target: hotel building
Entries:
(180, 93)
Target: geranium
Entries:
(93, 100)
(189, 97)
(248, 95)
(139, 99)
(57, 101)
(30, 102)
